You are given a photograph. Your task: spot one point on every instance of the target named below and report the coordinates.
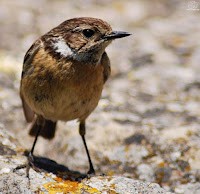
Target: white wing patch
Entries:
(62, 48)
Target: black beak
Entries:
(116, 34)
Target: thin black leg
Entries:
(82, 133)
(36, 137)
(30, 162)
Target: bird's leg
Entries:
(82, 133)
(30, 161)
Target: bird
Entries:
(63, 75)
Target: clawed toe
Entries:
(29, 164)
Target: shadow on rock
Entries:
(48, 165)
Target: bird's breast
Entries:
(62, 90)
(78, 95)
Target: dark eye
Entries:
(88, 33)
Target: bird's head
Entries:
(83, 39)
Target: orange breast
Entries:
(62, 91)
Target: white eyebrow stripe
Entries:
(61, 47)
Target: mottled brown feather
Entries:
(29, 114)
(61, 88)
(48, 128)
(105, 61)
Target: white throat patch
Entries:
(61, 47)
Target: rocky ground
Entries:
(147, 125)
(54, 182)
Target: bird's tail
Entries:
(48, 128)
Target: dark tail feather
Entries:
(48, 128)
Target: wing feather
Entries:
(105, 61)
(28, 113)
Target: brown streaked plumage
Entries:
(63, 76)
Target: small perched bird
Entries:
(63, 76)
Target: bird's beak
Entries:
(116, 34)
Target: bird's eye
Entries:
(88, 33)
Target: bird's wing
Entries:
(32, 51)
(105, 61)
(29, 114)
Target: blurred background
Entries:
(147, 123)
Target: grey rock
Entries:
(17, 182)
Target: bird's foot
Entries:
(29, 164)
(91, 172)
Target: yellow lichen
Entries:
(113, 186)
(161, 164)
(93, 190)
(72, 187)
(61, 187)
(111, 173)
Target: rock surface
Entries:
(43, 182)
